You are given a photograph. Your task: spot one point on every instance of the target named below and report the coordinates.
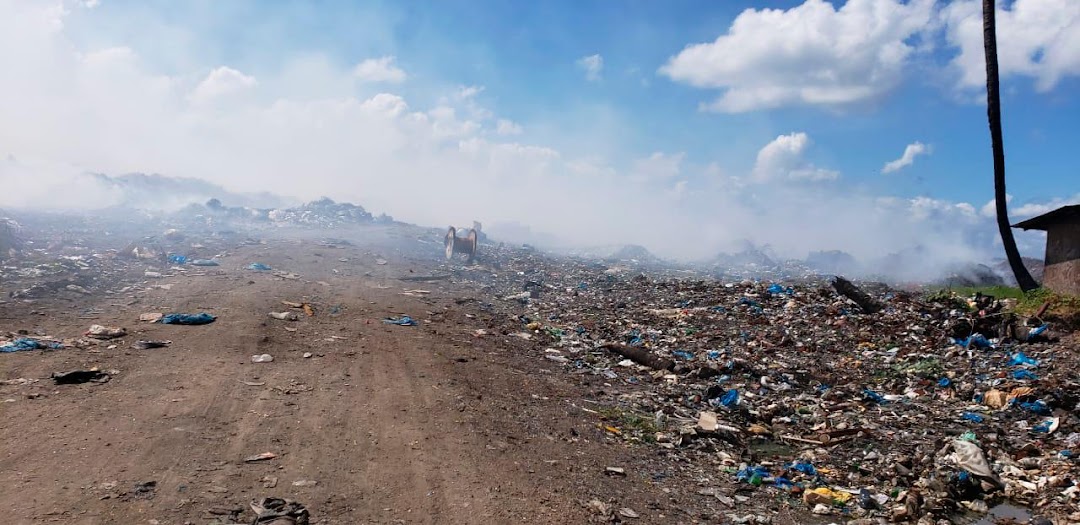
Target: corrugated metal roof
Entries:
(1062, 215)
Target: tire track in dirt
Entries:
(383, 418)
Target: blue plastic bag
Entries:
(1038, 407)
(1024, 374)
(400, 321)
(878, 398)
(258, 267)
(776, 289)
(1037, 331)
(975, 341)
(748, 473)
(804, 467)
(1019, 359)
(204, 262)
(730, 399)
(177, 259)
(683, 354)
(188, 319)
(971, 416)
(23, 344)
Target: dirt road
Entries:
(381, 424)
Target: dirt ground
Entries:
(382, 424)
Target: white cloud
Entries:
(811, 54)
(593, 65)
(508, 127)
(908, 158)
(382, 69)
(222, 82)
(468, 92)
(1032, 209)
(990, 208)
(659, 165)
(1036, 38)
(783, 159)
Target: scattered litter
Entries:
(143, 344)
(400, 321)
(204, 262)
(29, 343)
(145, 490)
(151, 317)
(76, 377)
(259, 267)
(188, 319)
(262, 358)
(260, 457)
(276, 511)
(285, 316)
(105, 332)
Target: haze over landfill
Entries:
(489, 262)
(872, 140)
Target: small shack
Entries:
(1062, 227)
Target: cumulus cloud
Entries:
(811, 54)
(908, 158)
(990, 208)
(783, 158)
(508, 127)
(593, 65)
(383, 69)
(220, 83)
(1031, 209)
(659, 165)
(1036, 38)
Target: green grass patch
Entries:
(630, 421)
(1027, 303)
(998, 292)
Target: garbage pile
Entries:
(9, 237)
(322, 213)
(792, 396)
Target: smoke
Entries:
(308, 128)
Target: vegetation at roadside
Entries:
(1027, 303)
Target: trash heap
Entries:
(9, 237)
(777, 396)
(322, 213)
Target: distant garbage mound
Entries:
(633, 252)
(323, 213)
(972, 274)
(9, 237)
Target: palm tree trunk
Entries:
(993, 112)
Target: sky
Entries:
(689, 127)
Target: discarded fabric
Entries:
(259, 267)
(204, 262)
(28, 343)
(188, 319)
(400, 321)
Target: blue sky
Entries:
(850, 84)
